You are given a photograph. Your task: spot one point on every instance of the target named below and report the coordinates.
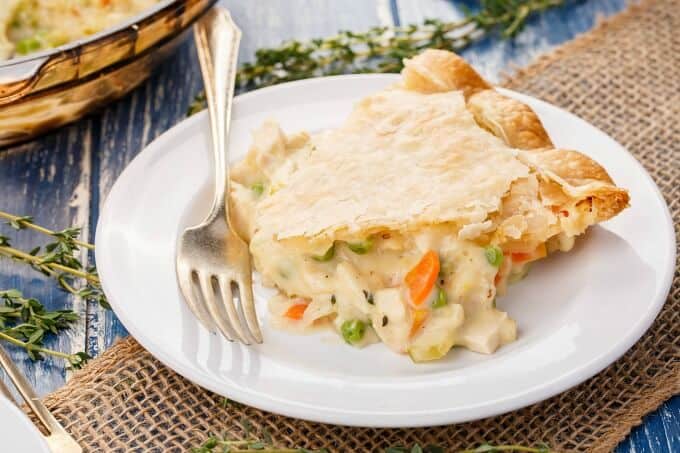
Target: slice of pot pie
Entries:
(405, 223)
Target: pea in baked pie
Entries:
(405, 223)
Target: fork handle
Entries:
(5, 392)
(217, 39)
(27, 393)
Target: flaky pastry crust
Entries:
(436, 71)
(580, 177)
(508, 119)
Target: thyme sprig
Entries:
(25, 322)
(21, 222)
(251, 442)
(223, 445)
(380, 49)
(215, 444)
(265, 444)
(488, 448)
(57, 259)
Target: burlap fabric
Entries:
(624, 77)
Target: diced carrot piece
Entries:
(419, 317)
(421, 278)
(295, 311)
(519, 257)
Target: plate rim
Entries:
(286, 407)
(9, 408)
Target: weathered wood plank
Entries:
(128, 125)
(491, 56)
(670, 420)
(50, 180)
(659, 433)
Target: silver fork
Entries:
(59, 440)
(212, 260)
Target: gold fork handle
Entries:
(217, 40)
(27, 393)
(5, 392)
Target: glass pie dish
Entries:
(47, 89)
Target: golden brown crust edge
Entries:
(509, 119)
(436, 71)
(584, 177)
(517, 125)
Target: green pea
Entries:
(326, 256)
(353, 331)
(362, 247)
(440, 301)
(494, 255)
(258, 188)
(28, 45)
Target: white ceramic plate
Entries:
(17, 432)
(577, 312)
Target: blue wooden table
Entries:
(62, 178)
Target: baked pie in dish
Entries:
(27, 26)
(405, 224)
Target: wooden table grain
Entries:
(62, 178)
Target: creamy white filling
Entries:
(370, 288)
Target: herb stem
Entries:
(12, 252)
(64, 284)
(33, 347)
(40, 229)
(419, 35)
(264, 450)
(509, 448)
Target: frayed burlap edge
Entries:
(603, 26)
